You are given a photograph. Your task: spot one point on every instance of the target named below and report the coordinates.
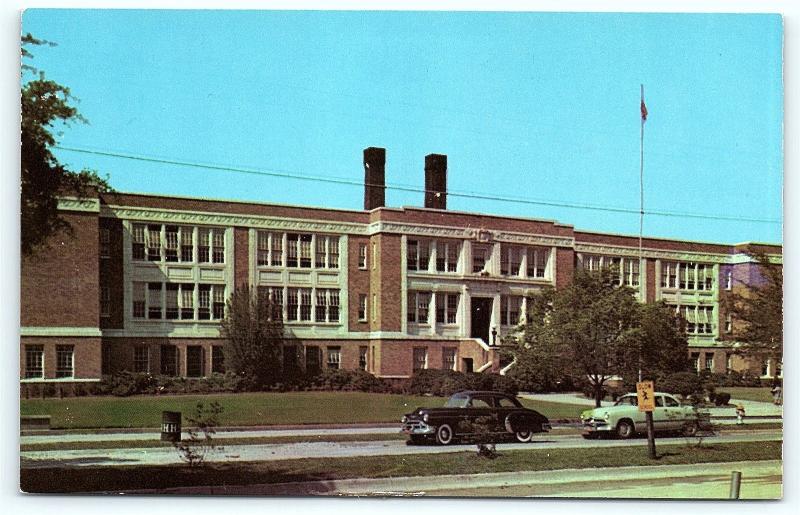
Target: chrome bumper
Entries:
(417, 428)
(592, 425)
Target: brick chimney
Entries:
(436, 181)
(374, 178)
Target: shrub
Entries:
(685, 384)
(447, 382)
(721, 399)
(347, 380)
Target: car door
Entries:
(481, 406)
(674, 413)
(503, 408)
(660, 415)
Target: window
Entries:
(728, 280)
(171, 298)
(699, 319)
(299, 250)
(362, 307)
(204, 302)
(695, 357)
(269, 249)
(669, 275)
(510, 306)
(591, 262)
(194, 361)
(687, 276)
(138, 300)
(449, 358)
(218, 248)
(305, 304)
(187, 244)
(446, 307)
(728, 362)
(169, 360)
(630, 272)
(418, 306)
(537, 262)
(709, 361)
(327, 254)
(105, 301)
(420, 358)
(480, 257)
(273, 295)
(138, 240)
(334, 357)
(171, 243)
(203, 245)
(141, 359)
(728, 323)
(510, 260)
(154, 300)
(362, 256)
(313, 359)
(187, 301)
(218, 308)
(154, 243)
(299, 304)
(34, 361)
(418, 255)
(105, 242)
(362, 357)
(447, 256)
(327, 309)
(217, 359)
(293, 304)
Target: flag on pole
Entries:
(644, 110)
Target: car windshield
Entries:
(457, 401)
(628, 400)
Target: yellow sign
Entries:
(646, 396)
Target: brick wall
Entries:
(385, 282)
(652, 280)
(241, 256)
(565, 267)
(86, 355)
(60, 284)
(358, 282)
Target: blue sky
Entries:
(538, 106)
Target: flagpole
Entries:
(641, 203)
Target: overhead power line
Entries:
(286, 174)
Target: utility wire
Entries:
(285, 174)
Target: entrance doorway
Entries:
(481, 315)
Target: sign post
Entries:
(645, 393)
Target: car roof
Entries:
(483, 392)
(655, 393)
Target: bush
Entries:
(685, 384)
(348, 380)
(721, 399)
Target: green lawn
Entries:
(109, 479)
(744, 393)
(247, 409)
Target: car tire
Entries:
(523, 436)
(625, 429)
(690, 429)
(444, 434)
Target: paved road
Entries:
(275, 452)
(760, 480)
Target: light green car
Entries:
(624, 419)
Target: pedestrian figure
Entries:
(777, 394)
(739, 414)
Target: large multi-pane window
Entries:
(327, 308)
(334, 357)
(169, 360)
(298, 250)
(626, 269)
(449, 358)
(270, 249)
(687, 276)
(65, 361)
(154, 300)
(418, 253)
(273, 295)
(447, 253)
(34, 361)
(299, 304)
(217, 359)
(480, 257)
(511, 260)
(699, 319)
(420, 358)
(176, 243)
(537, 262)
(141, 358)
(327, 254)
(447, 307)
(418, 306)
(510, 307)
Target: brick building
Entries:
(141, 283)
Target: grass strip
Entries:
(111, 479)
(254, 440)
(249, 409)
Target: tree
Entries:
(253, 328)
(594, 330)
(46, 107)
(758, 312)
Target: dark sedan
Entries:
(468, 414)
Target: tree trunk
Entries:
(598, 394)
